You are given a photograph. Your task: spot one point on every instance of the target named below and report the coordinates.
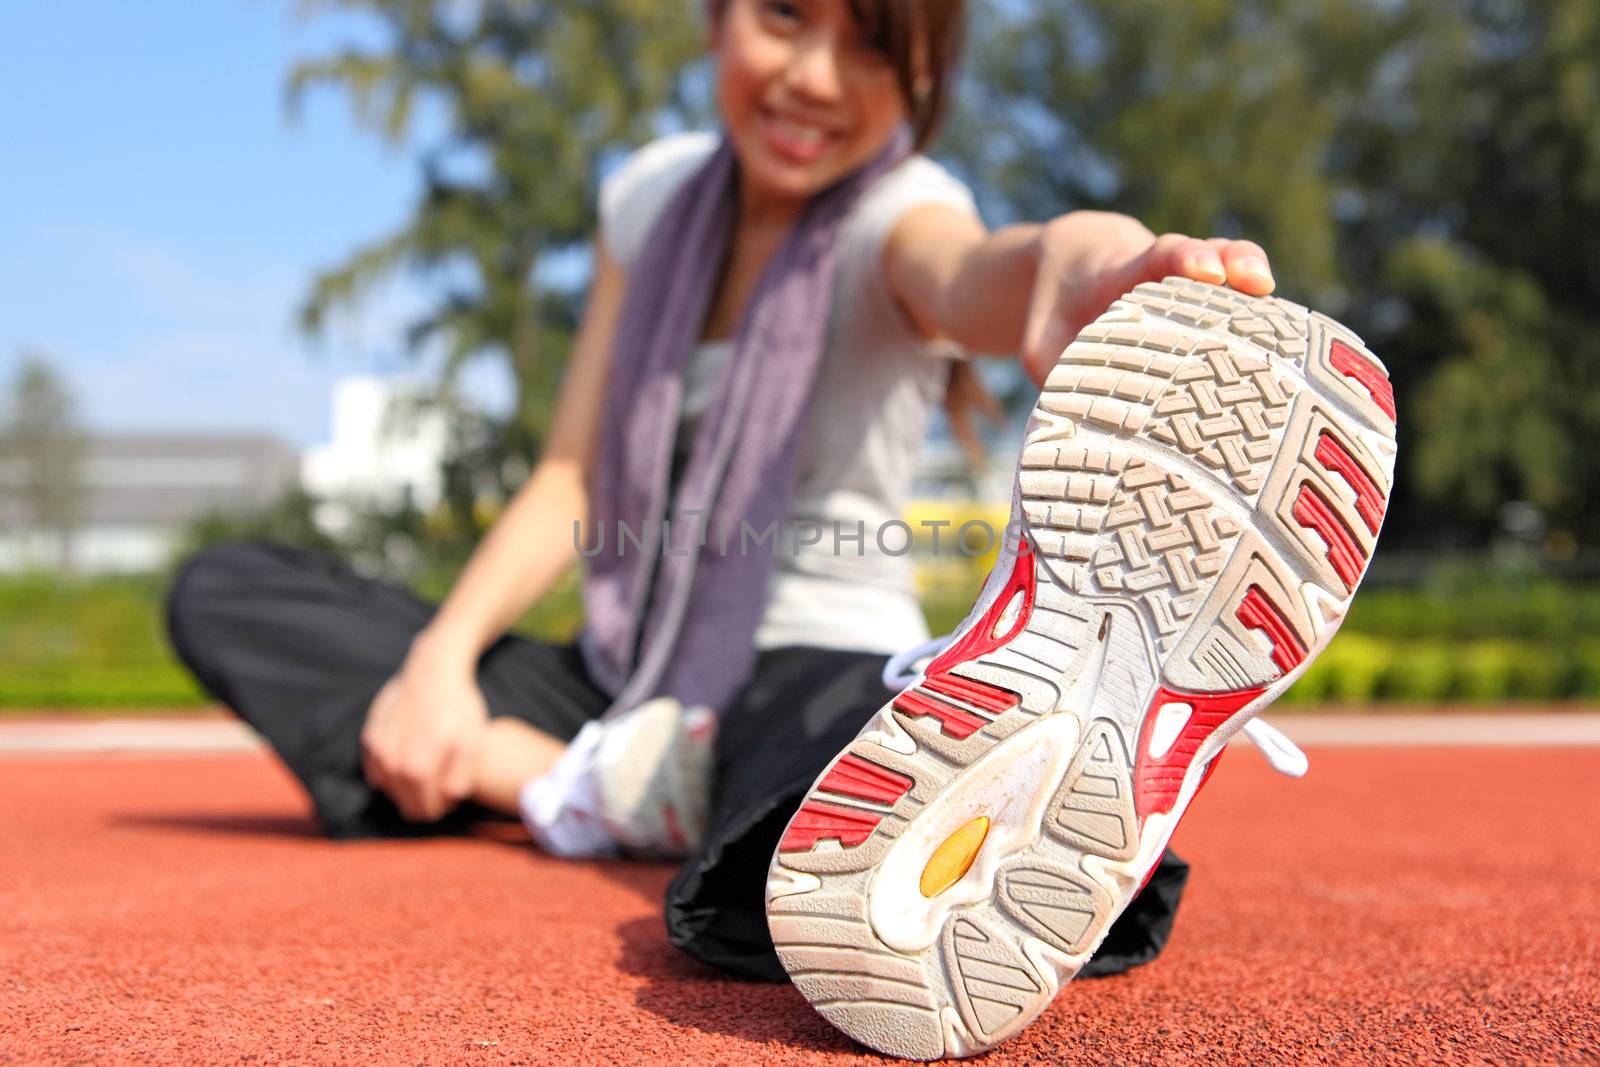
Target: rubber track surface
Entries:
(1420, 905)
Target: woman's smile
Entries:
(796, 139)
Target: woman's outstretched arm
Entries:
(1029, 289)
(425, 729)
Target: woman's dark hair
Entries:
(923, 40)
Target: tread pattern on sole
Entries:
(1093, 811)
(1202, 485)
(1166, 540)
(997, 986)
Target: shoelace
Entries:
(1283, 754)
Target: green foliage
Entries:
(945, 604)
(556, 616)
(1425, 673)
(1544, 610)
(1347, 672)
(153, 687)
(1359, 669)
(94, 642)
(1586, 678)
(1199, 117)
(99, 643)
(1427, 170)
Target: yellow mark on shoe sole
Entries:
(954, 857)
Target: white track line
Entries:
(1315, 730)
(1446, 729)
(202, 737)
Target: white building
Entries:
(382, 450)
(141, 490)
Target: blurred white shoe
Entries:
(561, 808)
(637, 783)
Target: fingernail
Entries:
(1207, 268)
(1257, 270)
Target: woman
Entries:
(773, 313)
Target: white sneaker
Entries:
(561, 808)
(654, 779)
(637, 783)
(1199, 493)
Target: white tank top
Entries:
(869, 409)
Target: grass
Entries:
(94, 643)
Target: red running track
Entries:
(1419, 905)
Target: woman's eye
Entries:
(781, 12)
(873, 44)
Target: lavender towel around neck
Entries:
(690, 636)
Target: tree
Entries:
(1491, 272)
(535, 96)
(1211, 116)
(41, 453)
(1426, 170)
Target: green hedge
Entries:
(98, 642)
(1360, 669)
(1484, 608)
(91, 643)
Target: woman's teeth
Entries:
(803, 135)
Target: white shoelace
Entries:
(1283, 754)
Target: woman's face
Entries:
(805, 96)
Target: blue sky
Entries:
(160, 215)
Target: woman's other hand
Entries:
(423, 733)
(1089, 258)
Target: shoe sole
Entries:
(1200, 490)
